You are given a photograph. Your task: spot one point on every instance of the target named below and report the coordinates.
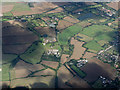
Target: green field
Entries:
(78, 71)
(5, 72)
(96, 30)
(21, 7)
(33, 53)
(68, 33)
(93, 45)
(7, 14)
(7, 58)
(104, 37)
(50, 58)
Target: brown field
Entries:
(94, 68)
(63, 76)
(113, 5)
(30, 67)
(13, 22)
(70, 19)
(50, 63)
(84, 37)
(84, 24)
(88, 55)
(23, 69)
(46, 30)
(57, 10)
(45, 18)
(35, 82)
(78, 49)
(77, 82)
(78, 10)
(37, 9)
(61, 3)
(64, 58)
(45, 72)
(15, 39)
(63, 24)
(90, 3)
(102, 42)
(7, 8)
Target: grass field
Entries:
(7, 14)
(83, 37)
(68, 33)
(5, 72)
(7, 58)
(96, 30)
(34, 53)
(20, 7)
(93, 45)
(78, 71)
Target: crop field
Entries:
(45, 30)
(71, 19)
(20, 7)
(5, 72)
(78, 49)
(64, 36)
(34, 82)
(93, 45)
(77, 82)
(50, 58)
(88, 55)
(51, 64)
(64, 58)
(78, 71)
(63, 76)
(105, 37)
(102, 42)
(96, 30)
(113, 5)
(83, 37)
(15, 39)
(7, 58)
(44, 72)
(94, 68)
(57, 10)
(7, 8)
(33, 53)
(62, 24)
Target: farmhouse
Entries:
(53, 51)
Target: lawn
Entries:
(78, 71)
(34, 53)
(93, 45)
(96, 30)
(21, 7)
(7, 58)
(68, 33)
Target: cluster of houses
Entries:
(53, 52)
(47, 40)
(80, 63)
(108, 12)
(105, 81)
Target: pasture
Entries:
(93, 45)
(34, 53)
(64, 36)
(95, 30)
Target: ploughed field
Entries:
(15, 39)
